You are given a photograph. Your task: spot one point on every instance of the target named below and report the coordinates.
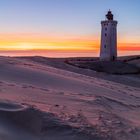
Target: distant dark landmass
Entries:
(125, 65)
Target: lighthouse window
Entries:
(105, 34)
(106, 29)
(104, 46)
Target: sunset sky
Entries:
(65, 25)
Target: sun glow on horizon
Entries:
(43, 42)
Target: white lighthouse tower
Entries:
(108, 50)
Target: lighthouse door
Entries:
(113, 58)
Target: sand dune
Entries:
(25, 122)
(40, 101)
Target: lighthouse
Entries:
(108, 48)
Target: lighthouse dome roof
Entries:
(109, 15)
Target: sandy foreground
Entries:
(42, 102)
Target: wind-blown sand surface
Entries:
(41, 102)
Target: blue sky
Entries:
(68, 16)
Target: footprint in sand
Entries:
(119, 90)
(44, 89)
(24, 86)
(102, 85)
(27, 86)
(31, 87)
(62, 93)
(112, 87)
(129, 89)
(10, 85)
(124, 92)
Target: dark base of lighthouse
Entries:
(112, 58)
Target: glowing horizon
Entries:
(28, 41)
(65, 25)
